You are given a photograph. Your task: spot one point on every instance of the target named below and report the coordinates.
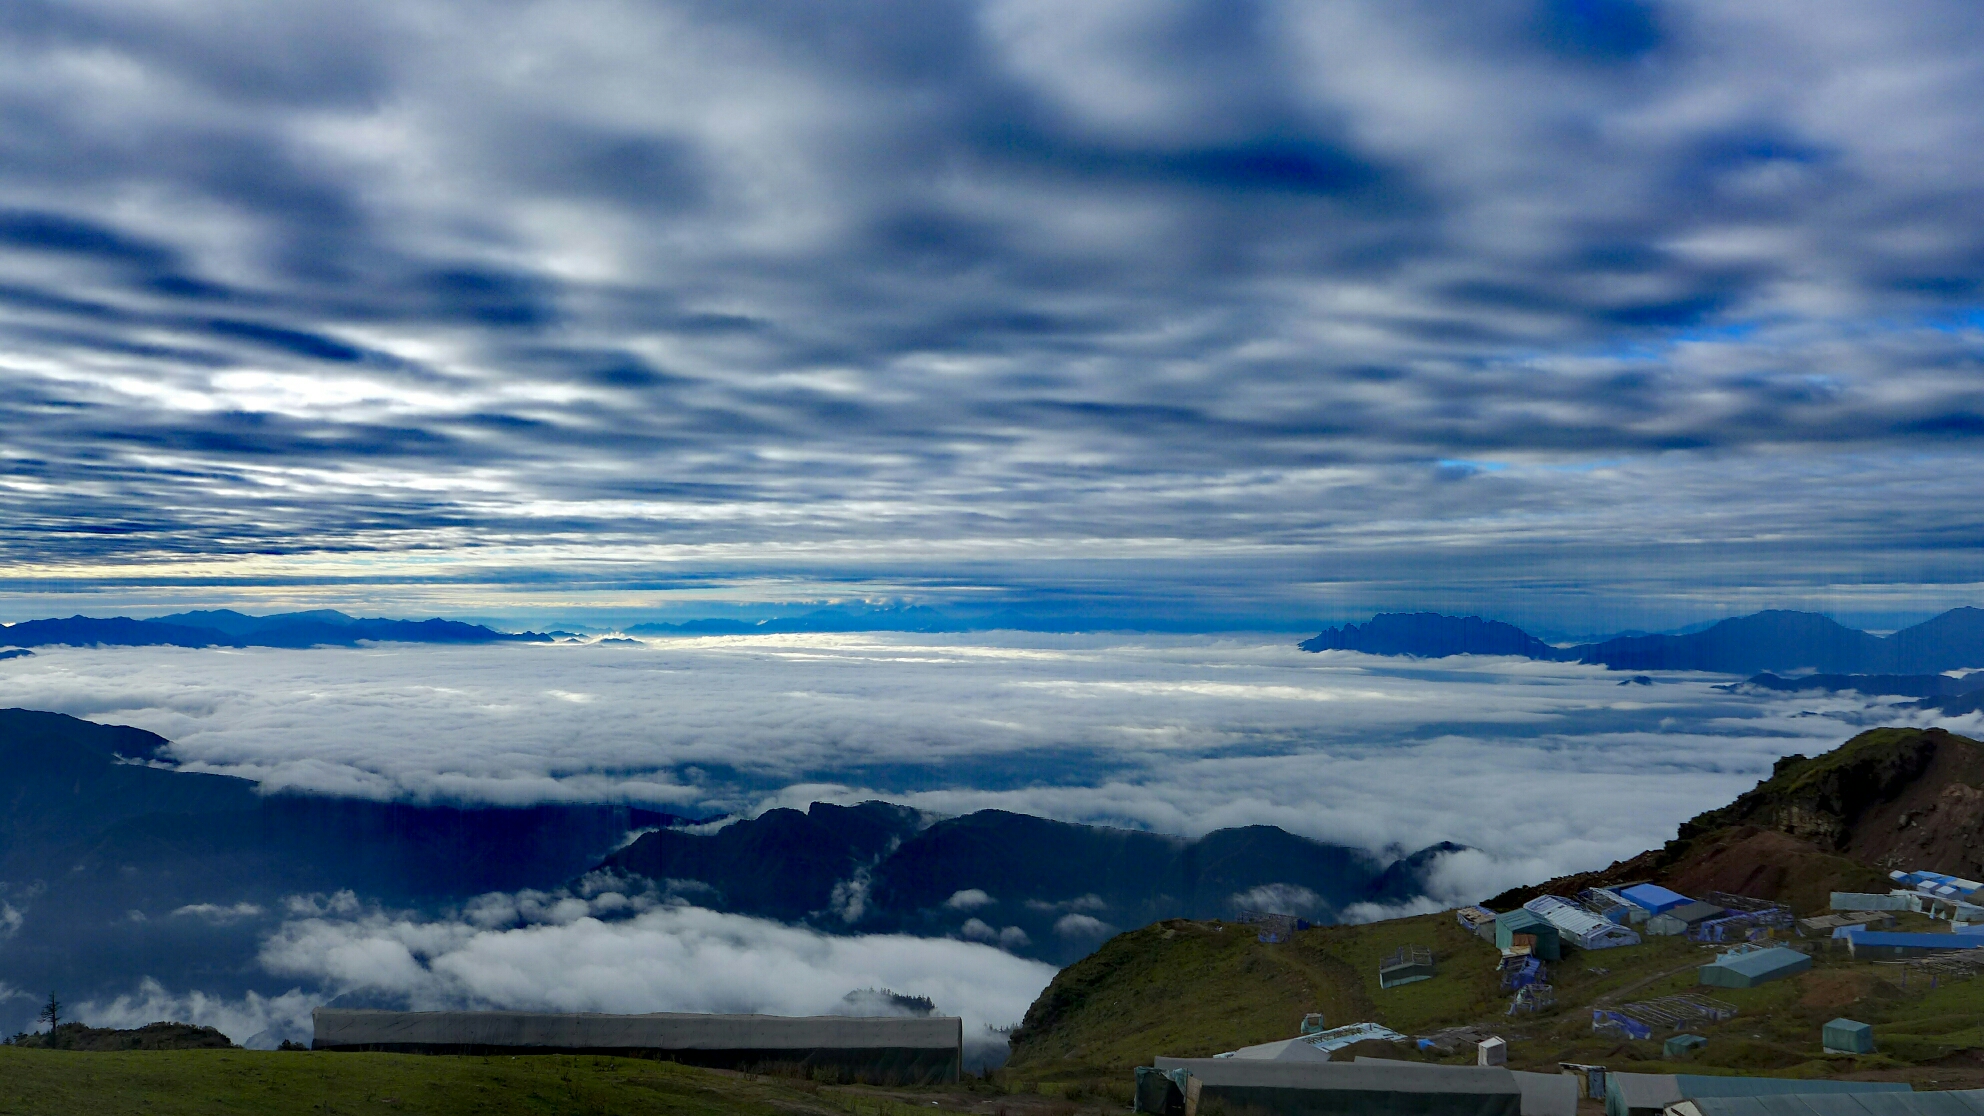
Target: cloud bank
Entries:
(1627, 306)
(1545, 767)
(602, 951)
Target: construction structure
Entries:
(1968, 1102)
(1674, 1013)
(1336, 1038)
(894, 1050)
(1611, 906)
(1847, 1036)
(1579, 926)
(1745, 919)
(1479, 921)
(1680, 1046)
(1590, 1079)
(1330, 1088)
(1884, 945)
(1405, 965)
(1682, 919)
(1649, 1094)
(1605, 1021)
(1274, 928)
(1522, 971)
(1867, 901)
(1826, 924)
(1544, 943)
(1747, 968)
(1532, 998)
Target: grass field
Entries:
(1190, 989)
(167, 1083)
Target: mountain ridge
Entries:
(1768, 641)
(227, 628)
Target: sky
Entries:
(1585, 314)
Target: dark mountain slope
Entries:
(1430, 635)
(118, 869)
(1774, 640)
(1041, 888)
(783, 864)
(1951, 641)
(1887, 798)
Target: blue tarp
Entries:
(1653, 897)
(1888, 943)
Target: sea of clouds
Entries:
(1540, 768)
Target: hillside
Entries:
(165, 1083)
(1887, 798)
(1816, 825)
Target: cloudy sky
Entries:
(1580, 312)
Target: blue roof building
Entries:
(1655, 898)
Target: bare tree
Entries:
(51, 1013)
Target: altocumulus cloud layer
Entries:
(1175, 734)
(1561, 305)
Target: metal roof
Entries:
(1653, 897)
(1393, 1077)
(1760, 962)
(1968, 1102)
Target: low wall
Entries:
(883, 1051)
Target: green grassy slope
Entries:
(1187, 989)
(163, 1083)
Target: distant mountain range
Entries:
(914, 618)
(1776, 640)
(227, 628)
(115, 866)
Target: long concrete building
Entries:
(1337, 1088)
(884, 1051)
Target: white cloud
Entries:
(1544, 767)
(968, 899)
(1082, 926)
(287, 1014)
(213, 912)
(1278, 898)
(578, 954)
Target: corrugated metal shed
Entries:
(1747, 970)
(1968, 1102)
(892, 1050)
(1543, 1094)
(1580, 925)
(1847, 1036)
(1520, 921)
(1647, 1094)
